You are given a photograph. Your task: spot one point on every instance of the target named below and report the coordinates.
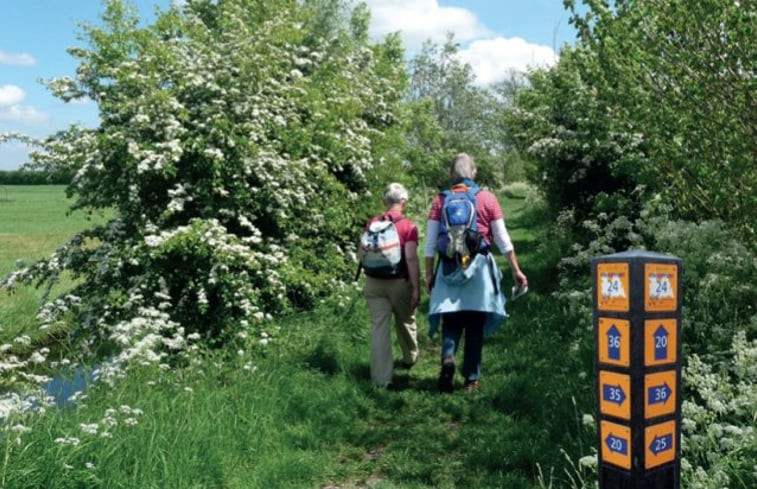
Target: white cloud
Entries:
(11, 109)
(418, 20)
(11, 95)
(493, 59)
(22, 59)
(23, 114)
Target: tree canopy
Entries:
(667, 88)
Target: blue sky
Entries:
(495, 35)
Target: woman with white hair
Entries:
(465, 285)
(394, 294)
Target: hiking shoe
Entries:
(472, 385)
(447, 375)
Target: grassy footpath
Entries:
(301, 411)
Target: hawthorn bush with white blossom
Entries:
(237, 143)
(719, 439)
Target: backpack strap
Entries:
(461, 187)
(492, 275)
(394, 220)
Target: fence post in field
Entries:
(636, 299)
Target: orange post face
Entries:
(659, 394)
(612, 287)
(660, 342)
(660, 287)
(659, 444)
(615, 341)
(616, 444)
(615, 394)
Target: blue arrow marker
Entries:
(613, 343)
(613, 393)
(659, 394)
(661, 443)
(617, 444)
(661, 343)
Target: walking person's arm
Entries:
(432, 230)
(413, 272)
(502, 240)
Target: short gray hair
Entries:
(395, 193)
(462, 166)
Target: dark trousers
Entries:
(470, 323)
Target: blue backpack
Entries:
(459, 240)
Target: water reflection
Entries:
(64, 386)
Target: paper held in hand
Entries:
(518, 291)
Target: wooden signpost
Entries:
(637, 326)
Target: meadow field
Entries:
(298, 408)
(34, 221)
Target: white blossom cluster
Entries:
(23, 388)
(718, 430)
(124, 415)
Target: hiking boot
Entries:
(472, 385)
(447, 375)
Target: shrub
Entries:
(719, 279)
(235, 149)
(719, 439)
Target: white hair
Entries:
(395, 193)
(462, 166)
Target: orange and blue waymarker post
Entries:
(637, 321)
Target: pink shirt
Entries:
(487, 210)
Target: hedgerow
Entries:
(238, 143)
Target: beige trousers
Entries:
(386, 297)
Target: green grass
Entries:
(34, 221)
(302, 412)
(308, 416)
